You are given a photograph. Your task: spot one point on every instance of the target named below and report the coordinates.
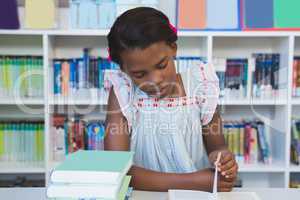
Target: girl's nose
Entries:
(157, 78)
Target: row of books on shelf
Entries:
(295, 141)
(104, 175)
(22, 142)
(80, 76)
(21, 76)
(248, 140)
(266, 75)
(233, 76)
(70, 134)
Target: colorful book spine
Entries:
(296, 77)
(57, 77)
(65, 74)
(295, 141)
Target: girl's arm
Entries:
(213, 134)
(117, 138)
(215, 142)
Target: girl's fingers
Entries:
(226, 157)
(227, 166)
(225, 189)
(230, 170)
(226, 185)
(232, 173)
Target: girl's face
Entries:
(152, 69)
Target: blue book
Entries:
(222, 14)
(93, 167)
(258, 13)
(263, 142)
(57, 77)
(73, 65)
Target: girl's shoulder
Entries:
(200, 76)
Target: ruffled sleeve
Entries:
(123, 88)
(204, 84)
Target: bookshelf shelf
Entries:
(253, 102)
(17, 168)
(60, 101)
(104, 32)
(26, 101)
(296, 101)
(274, 167)
(75, 32)
(294, 168)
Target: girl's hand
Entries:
(225, 184)
(227, 165)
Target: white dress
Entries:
(166, 134)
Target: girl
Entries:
(169, 120)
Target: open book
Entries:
(200, 195)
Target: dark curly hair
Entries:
(139, 28)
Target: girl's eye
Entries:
(139, 75)
(163, 66)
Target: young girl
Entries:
(169, 120)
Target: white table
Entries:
(39, 194)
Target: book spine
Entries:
(65, 78)
(294, 79)
(57, 77)
(298, 79)
(73, 67)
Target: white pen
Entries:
(215, 185)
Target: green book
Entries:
(102, 167)
(286, 13)
(119, 195)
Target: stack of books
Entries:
(92, 175)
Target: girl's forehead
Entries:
(148, 55)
